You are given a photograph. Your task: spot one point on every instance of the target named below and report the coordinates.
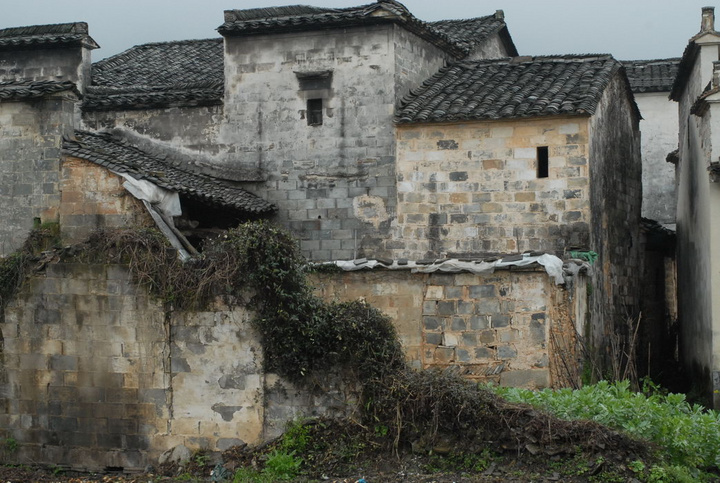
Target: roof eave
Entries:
(412, 25)
(403, 123)
(686, 62)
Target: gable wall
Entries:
(92, 198)
(472, 188)
(60, 64)
(615, 203)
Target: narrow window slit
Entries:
(314, 112)
(542, 161)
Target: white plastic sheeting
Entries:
(162, 205)
(552, 264)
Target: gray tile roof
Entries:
(46, 36)
(118, 155)
(511, 88)
(184, 73)
(651, 75)
(29, 89)
(470, 32)
(451, 36)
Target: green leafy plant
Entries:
(282, 465)
(687, 435)
(10, 444)
(296, 436)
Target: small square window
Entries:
(314, 112)
(542, 162)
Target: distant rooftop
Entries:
(511, 88)
(186, 73)
(47, 36)
(651, 75)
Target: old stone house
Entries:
(698, 199)
(526, 154)
(423, 158)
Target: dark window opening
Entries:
(542, 162)
(310, 81)
(314, 112)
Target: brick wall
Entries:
(473, 188)
(615, 204)
(334, 184)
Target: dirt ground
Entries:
(343, 451)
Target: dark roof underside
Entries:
(185, 73)
(651, 75)
(511, 88)
(119, 156)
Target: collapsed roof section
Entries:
(119, 156)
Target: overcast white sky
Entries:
(628, 29)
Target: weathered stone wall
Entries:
(192, 130)
(659, 128)
(85, 369)
(512, 327)
(97, 374)
(93, 198)
(473, 188)
(615, 203)
(334, 183)
(30, 139)
(698, 233)
(57, 64)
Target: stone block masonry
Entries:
(500, 327)
(30, 139)
(96, 373)
(475, 188)
(92, 198)
(85, 369)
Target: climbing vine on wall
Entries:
(15, 267)
(300, 332)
